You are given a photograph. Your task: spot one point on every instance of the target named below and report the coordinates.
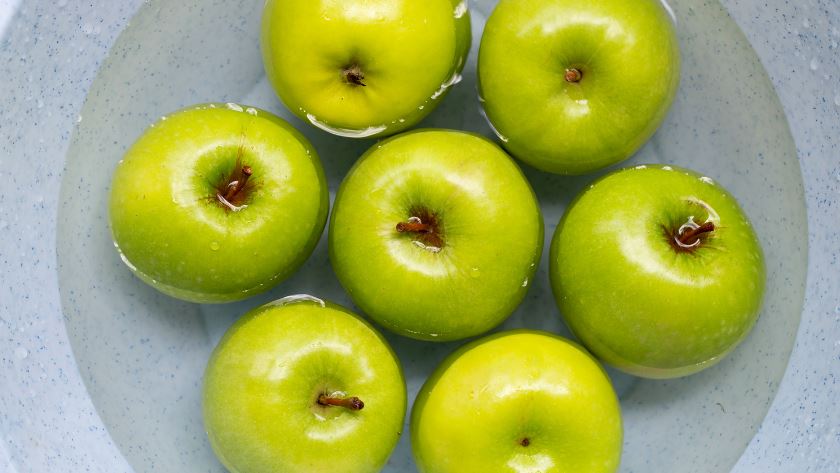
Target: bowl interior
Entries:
(142, 354)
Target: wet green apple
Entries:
(300, 385)
(436, 234)
(362, 68)
(515, 402)
(657, 270)
(573, 86)
(217, 202)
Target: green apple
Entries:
(657, 271)
(217, 202)
(436, 234)
(303, 386)
(362, 68)
(573, 86)
(519, 401)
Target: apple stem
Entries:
(354, 75)
(573, 75)
(692, 234)
(352, 403)
(414, 225)
(236, 186)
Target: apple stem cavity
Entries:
(354, 75)
(353, 403)
(427, 229)
(573, 75)
(525, 442)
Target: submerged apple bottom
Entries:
(300, 385)
(661, 284)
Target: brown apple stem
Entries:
(236, 186)
(354, 75)
(414, 226)
(352, 403)
(573, 75)
(691, 235)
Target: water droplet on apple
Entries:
(429, 248)
(456, 78)
(667, 168)
(21, 353)
(298, 299)
(461, 9)
(214, 246)
(707, 180)
(251, 111)
(402, 120)
(525, 283)
(421, 107)
(346, 132)
(641, 166)
(234, 107)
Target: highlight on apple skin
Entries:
(657, 270)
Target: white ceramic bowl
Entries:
(100, 373)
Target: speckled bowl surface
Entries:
(100, 373)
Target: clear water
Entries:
(142, 354)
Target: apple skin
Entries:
(174, 233)
(491, 224)
(479, 405)
(636, 302)
(409, 53)
(264, 378)
(628, 54)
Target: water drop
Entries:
(346, 132)
(251, 111)
(815, 64)
(492, 127)
(402, 120)
(214, 246)
(461, 9)
(667, 168)
(79, 119)
(525, 283)
(421, 107)
(234, 107)
(475, 272)
(707, 180)
(429, 248)
(21, 353)
(456, 78)
(297, 299)
(640, 166)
